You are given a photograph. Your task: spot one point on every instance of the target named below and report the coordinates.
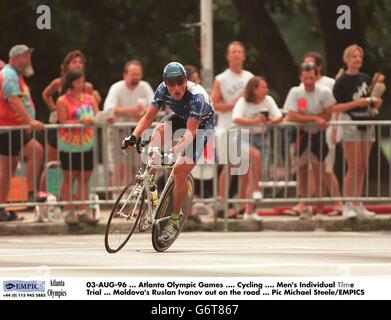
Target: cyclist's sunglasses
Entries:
(171, 82)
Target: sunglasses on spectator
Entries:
(171, 82)
(308, 66)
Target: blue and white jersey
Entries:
(195, 104)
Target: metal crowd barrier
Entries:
(279, 173)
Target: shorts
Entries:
(194, 150)
(256, 140)
(312, 146)
(352, 133)
(19, 138)
(52, 137)
(77, 161)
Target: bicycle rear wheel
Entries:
(164, 212)
(124, 217)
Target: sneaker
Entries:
(169, 231)
(306, 213)
(195, 218)
(363, 213)
(71, 218)
(14, 217)
(257, 195)
(85, 217)
(36, 198)
(251, 217)
(349, 212)
(4, 215)
(199, 209)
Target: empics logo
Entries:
(24, 286)
(9, 286)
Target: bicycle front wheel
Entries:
(164, 212)
(124, 217)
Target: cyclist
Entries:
(193, 111)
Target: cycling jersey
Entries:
(195, 104)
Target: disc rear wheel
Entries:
(164, 212)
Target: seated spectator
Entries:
(76, 144)
(258, 110)
(17, 108)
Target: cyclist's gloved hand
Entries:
(170, 158)
(128, 142)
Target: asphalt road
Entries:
(201, 254)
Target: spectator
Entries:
(351, 93)
(192, 74)
(73, 60)
(305, 104)
(317, 59)
(199, 172)
(333, 134)
(258, 110)
(128, 100)
(2, 64)
(76, 145)
(17, 108)
(227, 89)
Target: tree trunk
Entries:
(274, 57)
(336, 40)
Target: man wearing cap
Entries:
(193, 111)
(16, 109)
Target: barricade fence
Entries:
(286, 163)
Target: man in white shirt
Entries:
(333, 133)
(127, 101)
(227, 89)
(306, 104)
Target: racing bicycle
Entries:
(138, 207)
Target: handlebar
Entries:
(140, 145)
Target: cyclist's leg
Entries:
(182, 169)
(180, 174)
(163, 132)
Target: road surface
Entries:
(200, 254)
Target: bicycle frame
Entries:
(146, 181)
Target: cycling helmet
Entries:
(174, 71)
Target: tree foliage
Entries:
(276, 33)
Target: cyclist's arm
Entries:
(187, 138)
(146, 121)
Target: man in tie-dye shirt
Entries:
(16, 109)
